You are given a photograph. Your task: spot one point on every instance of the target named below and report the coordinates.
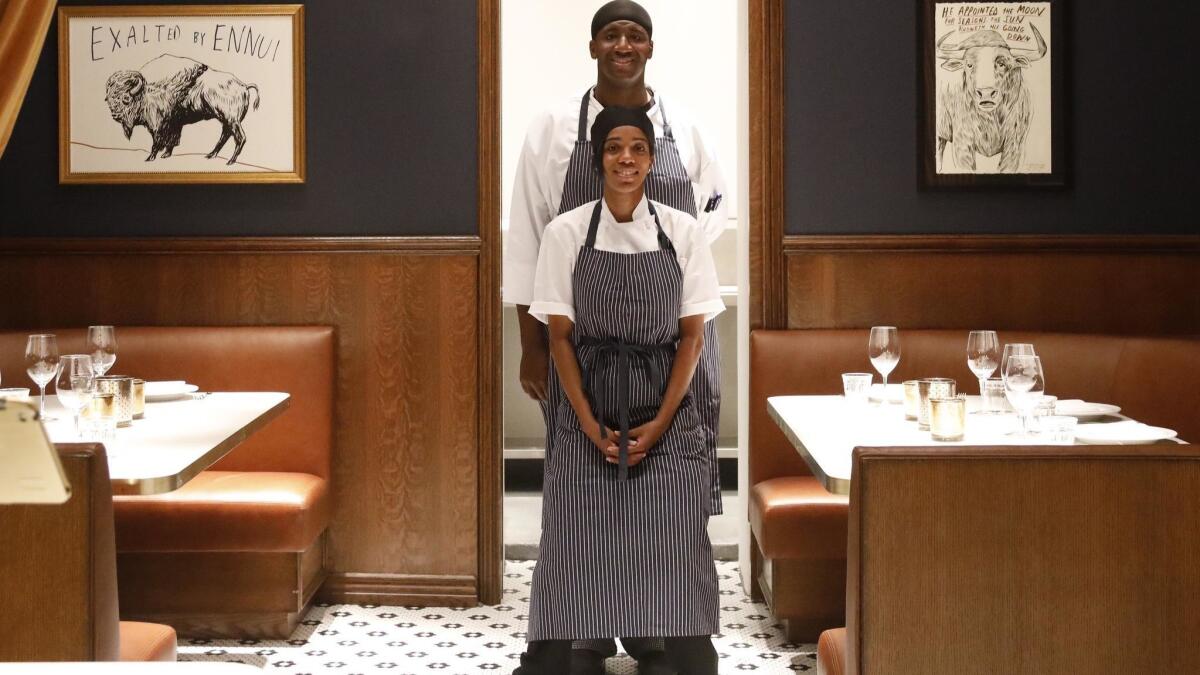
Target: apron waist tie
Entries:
(606, 350)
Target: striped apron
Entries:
(668, 183)
(625, 551)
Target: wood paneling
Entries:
(491, 368)
(410, 334)
(177, 589)
(1117, 285)
(766, 162)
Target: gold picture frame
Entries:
(144, 90)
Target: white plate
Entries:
(895, 393)
(1121, 433)
(1073, 407)
(168, 391)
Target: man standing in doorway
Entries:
(555, 175)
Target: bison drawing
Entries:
(988, 111)
(170, 92)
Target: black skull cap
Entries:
(619, 10)
(613, 117)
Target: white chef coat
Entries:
(542, 169)
(552, 288)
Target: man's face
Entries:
(621, 49)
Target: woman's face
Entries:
(627, 159)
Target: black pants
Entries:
(692, 655)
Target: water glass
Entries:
(1057, 429)
(983, 354)
(912, 400)
(102, 343)
(993, 401)
(1045, 407)
(884, 349)
(855, 386)
(101, 417)
(947, 418)
(41, 363)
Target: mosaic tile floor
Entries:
(360, 639)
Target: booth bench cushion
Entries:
(227, 511)
(147, 642)
(795, 517)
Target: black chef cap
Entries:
(612, 117)
(621, 10)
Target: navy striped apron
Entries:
(668, 183)
(625, 551)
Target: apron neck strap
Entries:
(662, 110)
(664, 242)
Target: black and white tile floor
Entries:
(360, 639)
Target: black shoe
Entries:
(586, 662)
(655, 663)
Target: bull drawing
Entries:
(170, 92)
(988, 111)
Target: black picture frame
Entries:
(1008, 148)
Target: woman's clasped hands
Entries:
(641, 439)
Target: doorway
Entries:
(699, 67)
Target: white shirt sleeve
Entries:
(701, 293)
(529, 215)
(710, 187)
(552, 287)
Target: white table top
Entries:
(826, 429)
(176, 439)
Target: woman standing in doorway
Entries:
(626, 286)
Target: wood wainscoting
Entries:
(1121, 285)
(414, 452)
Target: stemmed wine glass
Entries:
(983, 355)
(102, 343)
(41, 362)
(1025, 386)
(884, 350)
(75, 385)
(1021, 348)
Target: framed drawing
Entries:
(992, 94)
(181, 94)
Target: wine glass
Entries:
(41, 362)
(884, 350)
(1023, 348)
(102, 343)
(983, 355)
(1025, 386)
(75, 385)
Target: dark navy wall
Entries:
(391, 123)
(851, 129)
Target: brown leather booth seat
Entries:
(238, 550)
(59, 579)
(1021, 559)
(798, 529)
